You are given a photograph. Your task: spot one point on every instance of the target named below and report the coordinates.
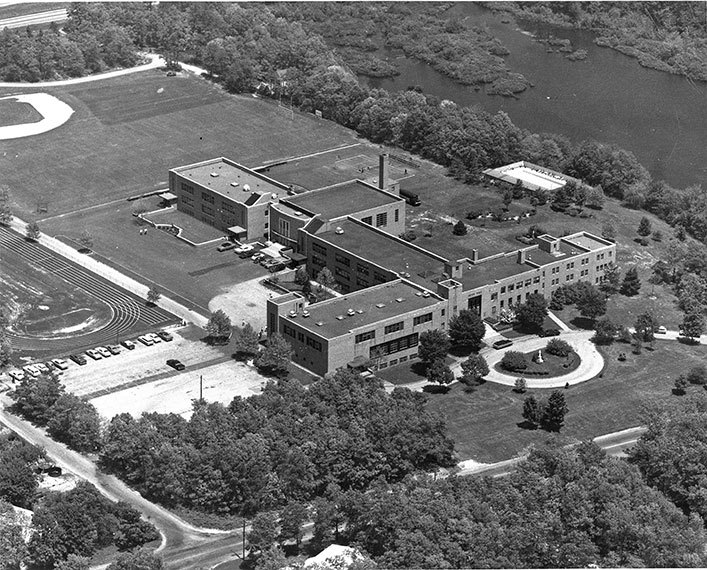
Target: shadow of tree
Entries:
(435, 389)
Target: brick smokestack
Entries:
(383, 171)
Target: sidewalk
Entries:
(112, 275)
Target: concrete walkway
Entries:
(558, 322)
(113, 275)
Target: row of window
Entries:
(426, 318)
(187, 188)
(301, 337)
(393, 346)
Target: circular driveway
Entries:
(591, 365)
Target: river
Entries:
(608, 97)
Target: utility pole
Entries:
(201, 388)
(243, 539)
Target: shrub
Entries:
(697, 375)
(520, 385)
(514, 360)
(558, 347)
(459, 228)
(680, 385)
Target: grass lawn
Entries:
(485, 423)
(550, 367)
(17, 113)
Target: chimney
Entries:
(383, 171)
(474, 255)
(521, 255)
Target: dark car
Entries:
(78, 359)
(550, 332)
(226, 245)
(502, 343)
(165, 336)
(176, 364)
(246, 254)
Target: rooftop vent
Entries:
(319, 323)
(340, 317)
(339, 231)
(573, 252)
(399, 300)
(305, 313)
(380, 305)
(246, 188)
(293, 313)
(274, 195)
(234, 184)
(425, 294)
(350, 312)
(359, 311)
(418, 293)
(214, 175)
(298, 213)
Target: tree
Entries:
(219, 327)
(247, 342)
(657, 235)
(273, 558)
(467, 329)
(35, 396)
(611, 281)
(559, 347)
(76, 423)
(697, 375)
(5, 215)
(263, 533)
(133, 532)
(513, 361)
(74, 562)
(608, 232)
(532, 410)
(474, 369)
(434, 345)
(86, 240)
(13, 551)
(292, 520)
(5, 350)
(302, 276)
(555, 411)
(645, 326)
(153, 295)
(631, 284)
(520, 385)
(644, 227)
(605, 331)
(595, 198)
(532, 313)
(439, 373)
(33, 232)
(693, 325)
(459, 228)
(591, 303)
(140, 560)
(680, 385)
(326, 279)
(276, 357)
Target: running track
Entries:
(129, 315)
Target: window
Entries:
(382, 219)
(528, 282)
(207, 209)
(300, 337)
(284, 227)
(511, 287)
(363, 269)
(227, 207)
(208, 198)
(316, 260)
(367, 220)
(379, 277)
(343, 260)
(397, 215)
(289, 331)
(321, 250)
(361, 282)
(444, 311)
(494, 296)
(426, 318)
(342, 273)
(519, 284)
(363, 337)
(394, 327)
(187, 201)
(187, 188)
(315, 344)
(503, 290)
(536, 279)
(393, 346)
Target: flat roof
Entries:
(369, 306)
(342, 199)
(531, 175)
(230, 179)
(587, 241)
(386, 251)
(487, 272)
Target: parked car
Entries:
(550, 332)
(129, 344)
(113, 348)
(277, 266)
(226, 245)
(502, 343)
(246, 254)
(146, 340)
(16, 375)
(52, 368)
(661, 330)
(243, 248)
(79, 359)
(154, 337)
(165, 336)
(31, 370)
(257, 257)
(93, 353)
(176, 364)
(103, 351)
(43, 368)
(60, 364)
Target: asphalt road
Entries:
(34, 19)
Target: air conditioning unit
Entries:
(350, 312)
(425, 294)
(305, 313)
(214, 175)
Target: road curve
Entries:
(34, 19)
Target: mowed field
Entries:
(17, 113)
(127, 132)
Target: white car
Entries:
(43, 368)
(154, 337)
(103, 351)
(60, 364)
(146, 340)
(93, 353)
(661, 330)
(16, 375)
(243, 248)
(32, 370)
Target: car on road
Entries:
(176, 364)
(104, 352)
(113, 348)
(31, 370)
(146, 340)
(165, 336)
(16, 375)
(550, 332)
(502, 343)
(243, 248)
(226, 245)
(79, 359)
(60, 364)
(661, 330)
(129, 344)
(153, 336)
(93, 353)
